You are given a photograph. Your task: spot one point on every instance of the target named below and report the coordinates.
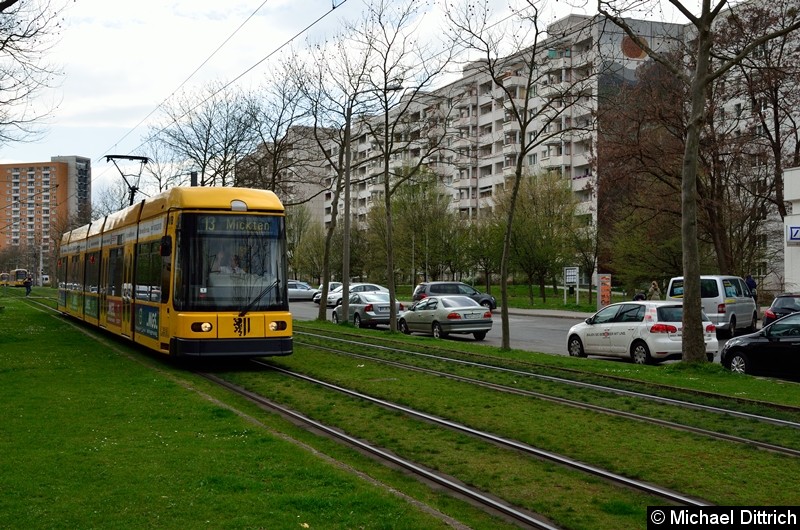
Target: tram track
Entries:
(615, 478)
(576, 383)
(573, 403)
(488, 503)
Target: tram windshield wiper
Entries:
(261, 295)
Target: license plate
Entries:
(472, 315)
(382, 309)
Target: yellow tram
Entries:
(17, 277)
(191, 272)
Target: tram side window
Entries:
(75, 274)
(148, 271)
(92, 271)
(166, 265)
(114, 287)
(62, 273)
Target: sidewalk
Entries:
(556, 313)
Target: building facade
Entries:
(581, 58)
(39, 199)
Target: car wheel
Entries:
(739, 363)
(575, 347)
(710, 356)
(732, 327)
(437, 331)
(357, 320)
(404, 327)
(334, 318)
(753, 324)
(479, 335)
(640, 353)
(487, 304)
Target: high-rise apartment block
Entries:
(38, 200)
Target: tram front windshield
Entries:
(230, 262)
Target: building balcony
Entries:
(466, 183)
(461, 141)
(554, 161)
(464, 121)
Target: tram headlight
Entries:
(203, 327)
(279, 325)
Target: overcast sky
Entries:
(122, 59)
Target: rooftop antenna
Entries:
(132, 188)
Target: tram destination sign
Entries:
(239, 224)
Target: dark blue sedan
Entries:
(774, 350)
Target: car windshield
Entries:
(229, 262)
(787, 302)
(459, 301)
(375, 297)
(788, 325)
(674, 313)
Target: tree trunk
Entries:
(693, 341)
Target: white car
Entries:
(335, 296)
(318, 291)
(646, 332)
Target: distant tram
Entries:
(4, 279)
(17, 277)
(191, 272)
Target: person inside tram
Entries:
(221, 263)
(236, 265)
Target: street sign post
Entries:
(571, 275)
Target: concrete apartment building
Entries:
(478, 157)
(38, 199)
(586, 53)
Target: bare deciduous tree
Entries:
(515, 56)
(210, 130)
(276, 116)
(709, 63)
(332, 83)
(27, 31)
(412, 122)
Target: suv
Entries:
(426, 289)
(726, 300)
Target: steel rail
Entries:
(573, 403)
(471, 493)
(593, 386)
(651, 489)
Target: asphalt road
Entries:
(533, 333)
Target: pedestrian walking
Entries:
(28, 283)
(751, 284)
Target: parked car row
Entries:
(645, 332)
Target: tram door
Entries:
(102, 288)
(127, 291)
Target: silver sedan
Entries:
(299, 290)
(366, 309)
(443, 315)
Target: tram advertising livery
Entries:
(191, 272)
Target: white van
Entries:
(727, 301)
